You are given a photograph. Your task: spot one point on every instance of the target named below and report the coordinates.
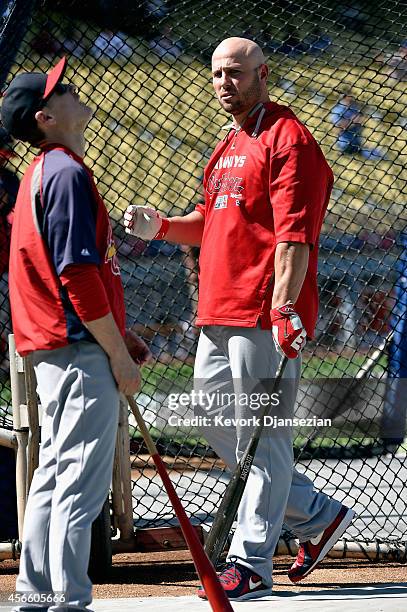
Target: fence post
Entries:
(18, 399)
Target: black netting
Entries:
(342, 67)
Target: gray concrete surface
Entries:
(390, 598)
(383, 598)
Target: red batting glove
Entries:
(288, 331)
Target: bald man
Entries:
(267, 186)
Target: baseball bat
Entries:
(225, 516)
(361, 374)
(217, 597)
(369, 364)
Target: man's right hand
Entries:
(142, 221)
(289, 334)
(126, 373)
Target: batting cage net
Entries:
(342, 68)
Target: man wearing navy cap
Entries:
(68, 314)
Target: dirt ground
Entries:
(169, 574)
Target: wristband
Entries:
(162, 232)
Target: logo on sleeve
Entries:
(110, 256)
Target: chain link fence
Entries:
(342, 68)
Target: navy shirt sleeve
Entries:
(69, 223)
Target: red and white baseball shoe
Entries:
(240, 583)
(312, 552)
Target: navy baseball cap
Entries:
(27, 94)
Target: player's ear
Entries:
(264, 71)
(44, 118)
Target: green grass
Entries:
(166, 378)
(333, 366)
(178, 375)
(5, 392)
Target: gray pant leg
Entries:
(81, 402)
(34, 571)
(222, 351)
(308, 511)
(273, 488)
(212, 373)
(254, 362)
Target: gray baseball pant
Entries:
(80, 404)
(236, 360)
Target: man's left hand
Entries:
(138, 349)
(288, 331)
